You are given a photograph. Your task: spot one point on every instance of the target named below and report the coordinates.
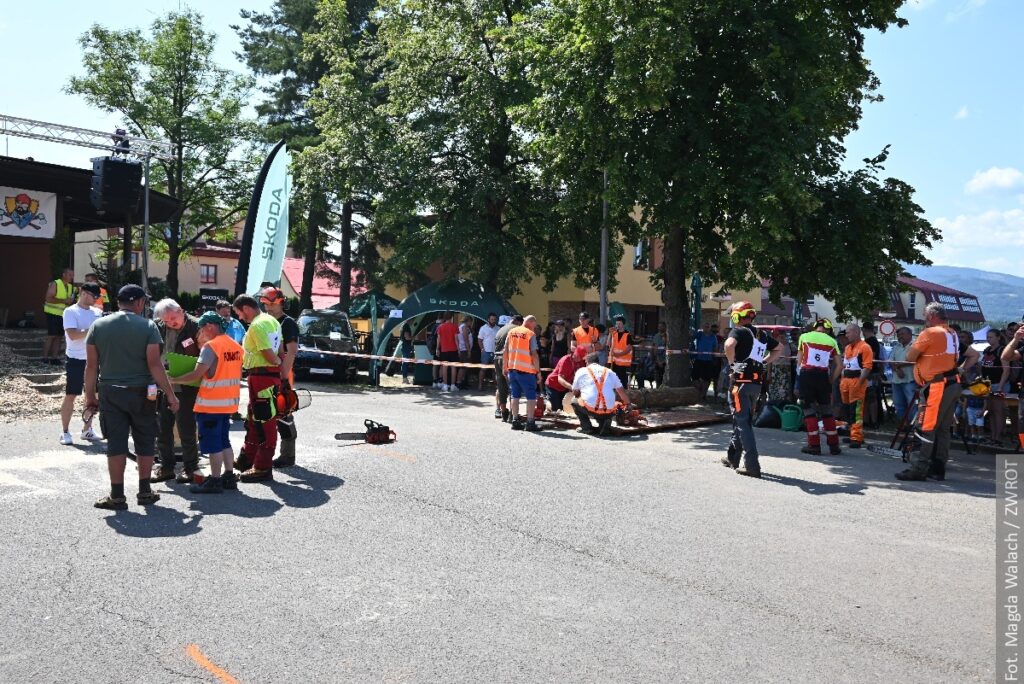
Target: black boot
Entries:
(937, 470)
(732, 457)
(911, 475)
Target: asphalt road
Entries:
(468, 552)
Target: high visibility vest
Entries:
(102, 301)
(618, 343)
(601, 408)
(64, 290)
(220, 393)
(517, 350)
(585, 338)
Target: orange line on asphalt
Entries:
(379, 451)
(195, 654)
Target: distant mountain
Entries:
(1001, 296)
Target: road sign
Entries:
(887, 328)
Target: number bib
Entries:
(852, 363)
(758, 351)
(817, 358)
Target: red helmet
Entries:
(742, 310)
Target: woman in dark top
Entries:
(559, 342)
(992, 369)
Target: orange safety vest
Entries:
(517, 350)
(220, 393)
(619, 344)
(102, 300)
(585, 338)
(602, 406)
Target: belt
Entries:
(851, 374)
(272, 371)
(135, 390)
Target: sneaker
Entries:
(210, 485)
(161, 474)
(518, 424)
(66, 440)
(506, 416)
(146, 498)
(184, 477)
(812, 450)
(90, 435)
(109, 503)
(497, 413)
(283, 462)
(229, 480)
(531, 426)
(257, 475)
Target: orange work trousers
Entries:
(852, 392)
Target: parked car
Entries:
(324, 330)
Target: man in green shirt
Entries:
(818, 359)
(123, 360)
(261, 346)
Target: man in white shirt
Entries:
(486, 337)
(465, 341)
(596, 389)
(903, 384)
(77, 319)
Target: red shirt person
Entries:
(559, 382)
(448, 351)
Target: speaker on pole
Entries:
(116, 185)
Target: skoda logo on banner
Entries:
(454, 302)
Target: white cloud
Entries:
(995, 179)
(966, 8)
(989, 241)
(962, 113)
(919, 4)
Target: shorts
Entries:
(125, 410)
(75, 381)
(976, 416)
(522, 385)
(500, 381)
(452, 356)
(214, 432)
(464, 356)
(54, 325)
(814, 388)
(486, 357)
(705, 370)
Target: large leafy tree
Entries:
(167, 87)
(433, 136)
(723, 121)
(275, 45)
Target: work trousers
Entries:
(935, 412)
(623, 374)
(185, 419)
(585, 415)
(260, 438)
(852, 392)
(743, 398)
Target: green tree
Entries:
(167, 87)
(723, 121)
(422, 112)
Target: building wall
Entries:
(25, 265)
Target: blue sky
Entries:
(953, 109)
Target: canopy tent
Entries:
(463, 296)
(982, 335)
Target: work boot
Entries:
(936, 470)
(911, 475)
(732, 456)
(229, 480)
(812, 450)
(287, 457)
(209, 485)
(518, 424)
(531, 426)
(506, 416)
(161, 474)
(834, 449)
(748, 472)
(242, 463)
(727, 463)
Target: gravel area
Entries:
(18, 400)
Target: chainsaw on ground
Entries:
(375, 433)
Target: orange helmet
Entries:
(742, 310)
(269, 295)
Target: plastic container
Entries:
(792, 418)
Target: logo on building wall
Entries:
(22, 211)
(27, 213)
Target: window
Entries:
(136, 260)
(911, 313)
(642, 255)
(970, 304)
(948, 301)
(207, 273)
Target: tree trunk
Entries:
(173, 255)
(677, 307)
(345, 297)
(309, 267)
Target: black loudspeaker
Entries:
(116, 185)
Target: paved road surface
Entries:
(467, 552)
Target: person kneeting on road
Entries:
(78, 318)
(123, 361)
(261, 346)
(747, 350)
(522, 366)
(219, 372)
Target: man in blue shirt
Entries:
(236, 330)
(705, 364)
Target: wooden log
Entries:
(663, 397)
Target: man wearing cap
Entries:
(818, 360)
(620, 350)
(273, 300)
(78, 318)
(123, 361)
(584, 335)
(858, 360)
(748, 350)
(180, 333)
(60, 294)
(219, 373)
(500, 379)
(261, 346)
